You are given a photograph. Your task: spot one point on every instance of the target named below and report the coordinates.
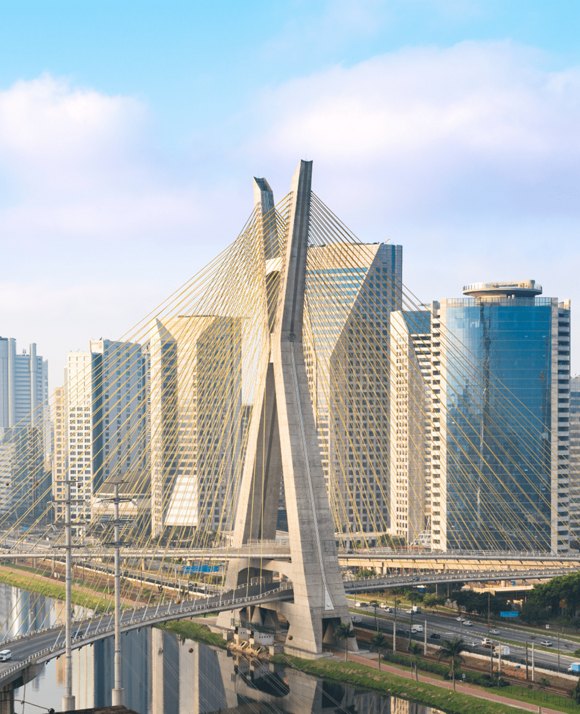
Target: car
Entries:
(494, 632)
(545, 643)
(434, 636)
(467, 623)
(460, 619)
(5, 655)
(387, 609)
(358, 604)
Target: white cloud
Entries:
(415, 126)
(469, 156)
(83, 165)
(57, 137)
(96, 226)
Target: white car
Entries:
(5, 655)
(545, 643)
(467, 623)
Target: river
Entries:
(166, 674)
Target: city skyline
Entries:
(445, 127)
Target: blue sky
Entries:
(129, 132)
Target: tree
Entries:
(415, 649)
(379, 643)
(364, 573)
(451, 650)
(576, 692)
(431, 600)
(344, 631)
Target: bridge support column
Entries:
(283, 420)
(7, 700)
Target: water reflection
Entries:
(165, 674)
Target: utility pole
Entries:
(527, 666)
(68, 700)
(117, 693)
(533, 664)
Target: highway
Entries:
(439, 626)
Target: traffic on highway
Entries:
(545, 649)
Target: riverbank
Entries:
(437, 694)
(359, 671)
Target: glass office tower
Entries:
(500, 420)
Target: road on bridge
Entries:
(39, 647)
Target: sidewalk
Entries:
(471, 690)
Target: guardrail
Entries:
(256, 591)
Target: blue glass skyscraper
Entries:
(500, 378)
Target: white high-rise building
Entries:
(353, 288)
(575, 461)
(24, 430)
(23, 386)
(104, 429)
(195, 364)
(59, 451)
(410, 334)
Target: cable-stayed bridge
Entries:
(295, 385)
(40, 647)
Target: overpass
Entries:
(378, 558)
(39, 647)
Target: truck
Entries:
(574, 668)
(416, 628)
(501, 650)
